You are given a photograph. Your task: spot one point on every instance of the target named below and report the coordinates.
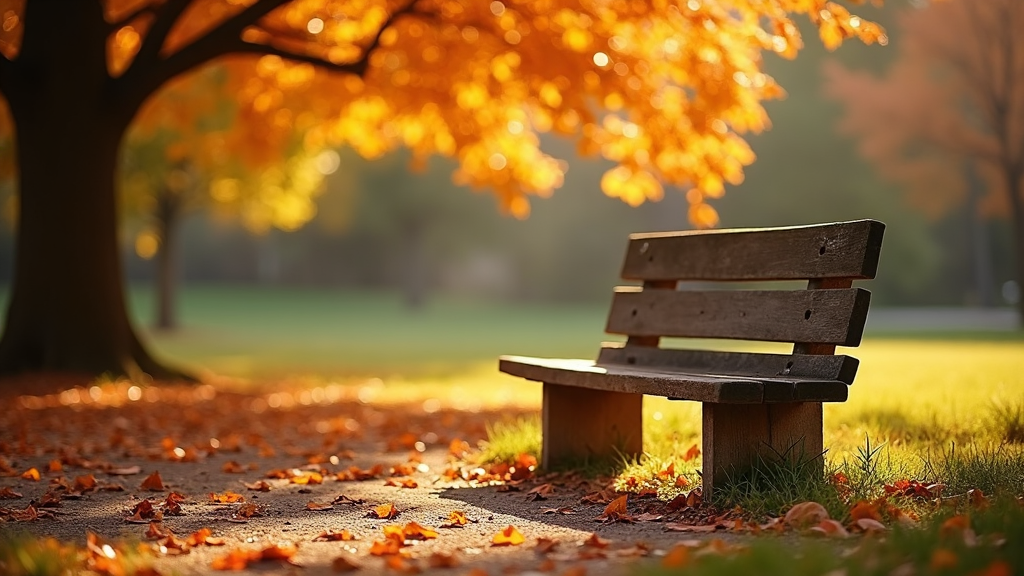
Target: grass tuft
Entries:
(507, 439)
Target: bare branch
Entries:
(358, 67)
(166, 17)
(124, 21)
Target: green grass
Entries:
(926, 549)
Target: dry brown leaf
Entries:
(864, 509)
(259, 485)
(343, 499)
(317, 507)
(595, 541)
(232, 467)
(680, 527)
(562, 510)
(8, 493)
(126, 471)
(331, 536)
(805, 515)
(830, 528)
(545, 545)
(541, 492)
(153, 483)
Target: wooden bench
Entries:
(756, 406)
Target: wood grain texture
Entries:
(581, 424)
(837, 250)
(673, 384)
(736, 438)
(812, 316)
(749, 364)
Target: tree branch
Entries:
(166, 17)
(7, 70)
(145, 8)
(242, 47)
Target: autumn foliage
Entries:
(663, 89)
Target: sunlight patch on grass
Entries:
(507, 439)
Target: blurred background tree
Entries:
(946, 121)
(189, 150)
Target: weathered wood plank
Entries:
(814, 316)
(837, 250)
(736, 438)
(673, 384)
(584, 424)
(754, 365)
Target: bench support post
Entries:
(582, 423)
(738, 437)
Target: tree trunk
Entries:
(67, 307)
(981, 251)
(168, 219)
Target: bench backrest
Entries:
(828, 313)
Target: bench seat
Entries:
(674, 384)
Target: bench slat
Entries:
(673, 385)
(807, 316)
(746, 364)
(839, 250)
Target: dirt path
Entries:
(205, 442)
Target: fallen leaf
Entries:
(805, 514)
(616, 510)
(869, 525)
(317, 507)
(84, 483)
(204, 537)
(384, 511)
(127, 471)
(331, 536)
(541, 492)
(545, 545)
(232, 467)
(8, 493)
(413, 531)
(563, 510)
(680, 527)
(153, 483)
(943, 559)
(510, 536)
(677, 557)
(601, 497)
(246, 511)
(259, 485)
(31, 474)
(456, 519)
(864, 509)
(830, 528)
(342, 499)
(691, 454)
(595, 541)
(228, 497)
(307, 478)
(401, 565)
(648, 517)
(54, 466)
(156, 531)
(977, 499)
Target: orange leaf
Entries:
(943, 559)
(83, 483)
(413, 531)
(31, 474)
(805, 514)
(456, 519)
(677, 557)
(384, 511)
(510, 536)
(595, 541)
(228, 497)
(830, 528)
(54, 466)
(691, 454)
(232, 467)
(259, 485)
(317, 507)
(865, 509)
(330, 536)
(153, 482)
(616, 507)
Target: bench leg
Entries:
(582, 423)
(736, 437)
